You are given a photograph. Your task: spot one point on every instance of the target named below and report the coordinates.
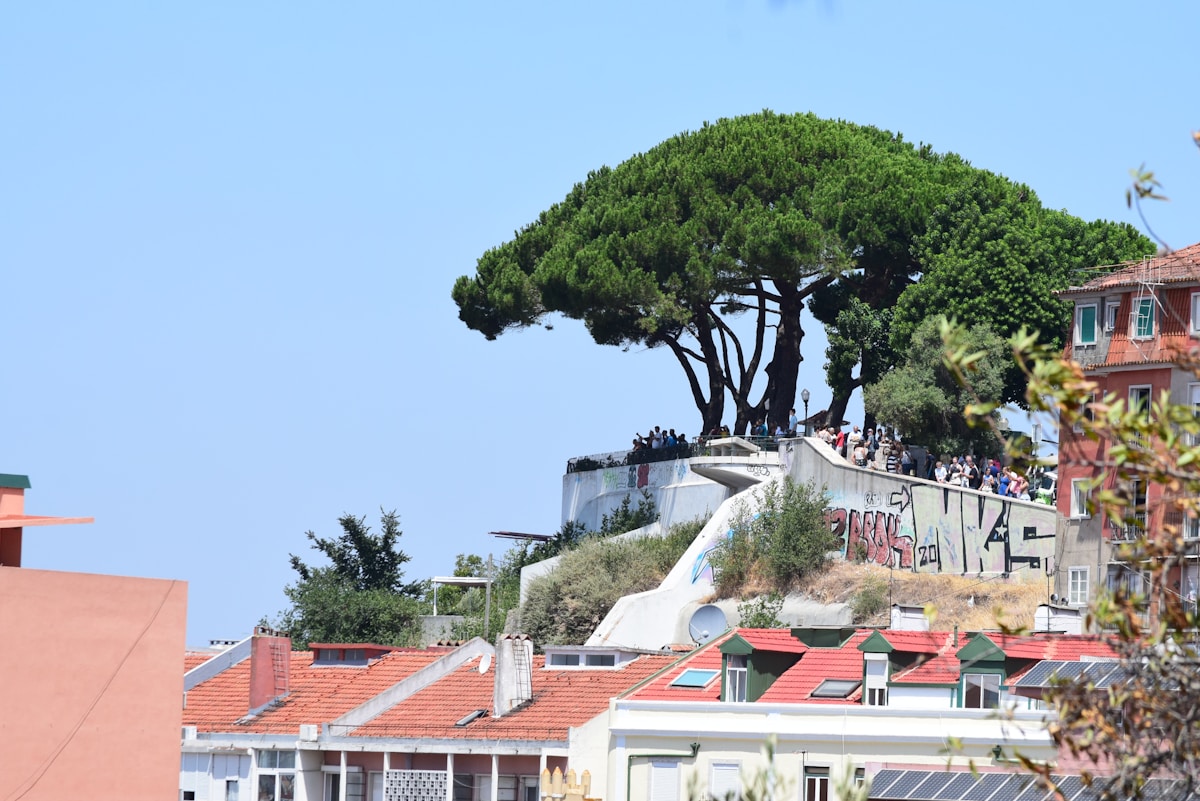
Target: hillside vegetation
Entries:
(968, 602)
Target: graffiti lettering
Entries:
(957, 531)
(758, 470)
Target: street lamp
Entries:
(804, 396)
(468, 581)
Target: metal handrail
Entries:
(700, 447)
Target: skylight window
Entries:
(695, 678)
(836, 688)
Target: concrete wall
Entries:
(679, 493)
(900, 522)
(826, 736)
(91, 685)
(914, 524)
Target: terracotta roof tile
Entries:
(1180, 266)
(193, 659)
(707, 657)
(774, 640)
(917, 642)
(562, 698)
(796, 685)
(316, 694)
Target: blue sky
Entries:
(228, 234)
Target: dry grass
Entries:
(996, 601)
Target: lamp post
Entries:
(804, 396)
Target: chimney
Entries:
(270, 667)
(514, 676)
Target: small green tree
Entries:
(361, 595)
(922, 399)
(780, 542)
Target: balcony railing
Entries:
(600, 461)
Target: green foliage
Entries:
(565, 606)
(870, 600)
(992, 253)
(923, 399)
(361, 596)
(761, 612)
(1144, 724)
(780, 543)
(749, 215)
(627, 517)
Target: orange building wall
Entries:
(90, 685)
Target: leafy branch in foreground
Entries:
(1147, 723)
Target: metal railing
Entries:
(601, 461)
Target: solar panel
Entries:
(907, 783)
(984, 788)
(882, 780)
(1011, 788)
(1034, 792)
(928, 789)
(1069, 786)
(959, 785)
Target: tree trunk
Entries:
(783, 371)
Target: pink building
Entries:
(89, 677)
(1129, 328)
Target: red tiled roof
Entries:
(707, 657)
(1180, 266)
(796, 685)
(941, 668)
(775, 640)
(317, 694)
(1049, 646)
(562, 698)
(917, 642)
(193, 659)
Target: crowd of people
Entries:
(877, 449)
(658, 438)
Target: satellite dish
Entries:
(485, 662)
(707, 622)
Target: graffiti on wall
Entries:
(934, 528)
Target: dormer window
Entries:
(582, 656)
(736, 678)
(326, 655)
(981, 690)
(1142, 318)
(1085, 324)
(1110, 315)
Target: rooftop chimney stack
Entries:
(270, 667)
(514, 677)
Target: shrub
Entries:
(565, 606)
(786, 539)
(870, 600)
(761, 612)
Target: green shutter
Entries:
(1087, 325)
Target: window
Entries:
(981, 690)
(1080, 490)
(724, 781)
(876, 682)
(333, 787)
(816, 784)
(664, 780)
(1143, 318)
(189, 795)
(1122, 578)
(564, 660)
(1085, 413)
(1077, 586)
(736, 675)
(276, 775)
(1085, 324)
(231, 790)
(1189, 586)
(1110, 315)
(695, 678)
(1195, 323)
(601, 660)
(1139, 398)
(836, 688)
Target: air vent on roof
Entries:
(189, 732)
